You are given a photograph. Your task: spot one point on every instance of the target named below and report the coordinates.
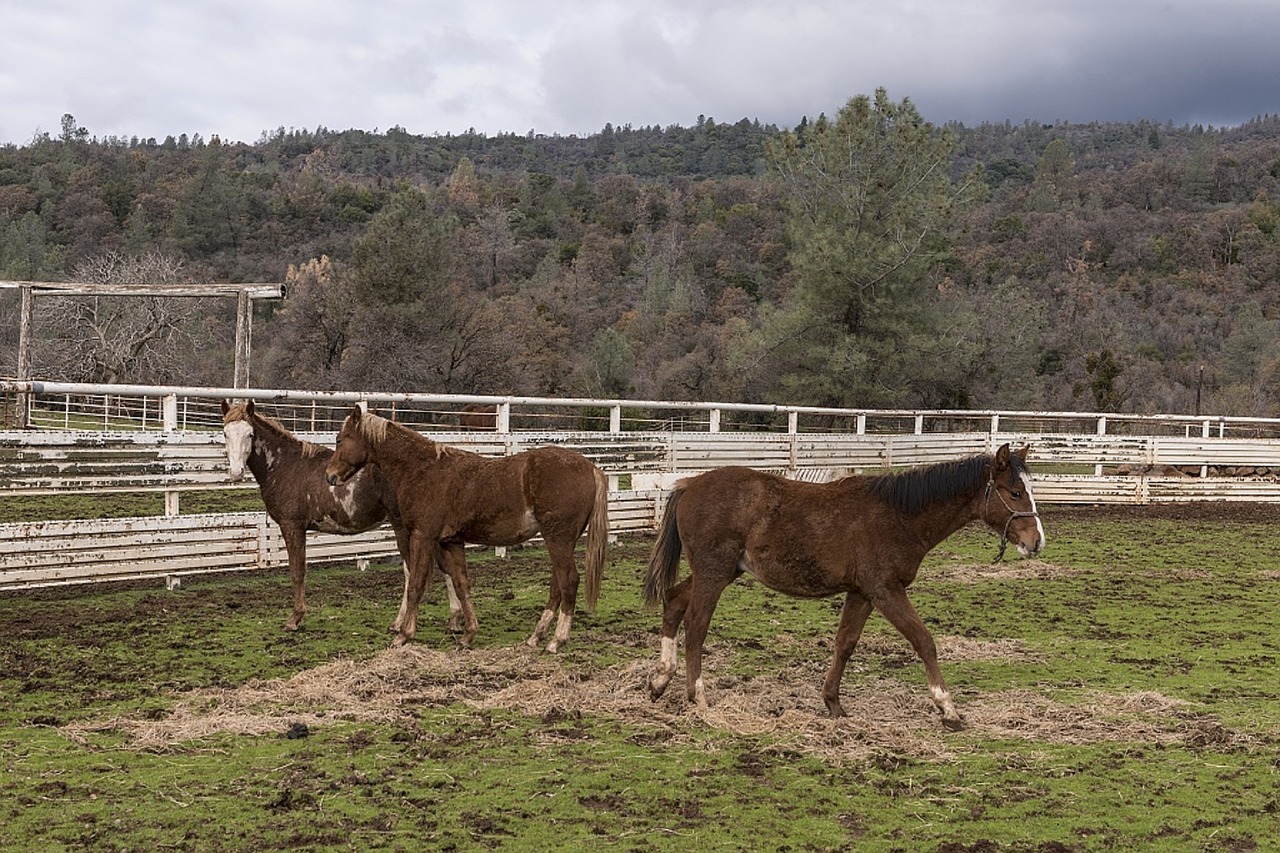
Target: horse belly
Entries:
(501, 531)
(346, 510)
(341, 525)
(800, 577)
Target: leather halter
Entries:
(1013, 513)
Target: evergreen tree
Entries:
(870, 198)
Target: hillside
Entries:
(1129, 267)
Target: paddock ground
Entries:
(1119, 679)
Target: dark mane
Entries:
(911, 491)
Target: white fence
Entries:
(104, 440)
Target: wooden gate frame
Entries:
(244, 294)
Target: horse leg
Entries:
(548, 612)
(424, 557)
(454, 625)
(703, 596)
(295, 545)
(898, 610)
(564, 590)
(454, 565)
(852, 618)
(672, 616)
(402, 544)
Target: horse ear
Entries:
(1002, 458)
(248, 407)
(1022, 452)
(356, 412)
(225, 407)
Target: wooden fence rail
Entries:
(113, 439)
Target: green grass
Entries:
(1184, 609)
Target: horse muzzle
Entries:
(1014, 533)
(1032, 549)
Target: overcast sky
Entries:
(239, 68)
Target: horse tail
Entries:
(597, 538)
(664, 563)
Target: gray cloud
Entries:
(237, 68)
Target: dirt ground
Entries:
(882, 714)
(1236, 511)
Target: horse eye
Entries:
(1016, 495)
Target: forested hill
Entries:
(867, 259)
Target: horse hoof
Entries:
(398, 641)
(553, 647)
(658, 686)
(835, 710)
(953, 724)
(291, 626)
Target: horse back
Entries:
(743, 499)
(502, 500)
(797, 537)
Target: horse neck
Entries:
(270, 448)
(938, 520)
(401, 447)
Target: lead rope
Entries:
(1013, 513)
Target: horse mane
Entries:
(375, 428)
(276, 428)
(912, 491)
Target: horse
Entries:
(449, 497)
(478, 416)
(290, 475)
(863, 535)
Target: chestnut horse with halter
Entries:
(449, 497)
(864, 536)
(290, 475)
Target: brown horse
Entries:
(478, 416)
(449, 497)
(863, 536)
(290, 475)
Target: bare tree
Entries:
(115, 339)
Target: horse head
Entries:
(352, 450)
(1008, 505)
(237, 429)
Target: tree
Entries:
(491, 243)
(869, 202)
(113, 339)
(610, 365)
(1104, 371)
(71, 132)
(312, 331)
(414, 326)
(26, 251)
(1055, 177)
(463, 189)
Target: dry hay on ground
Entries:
(883, 716)
(1034, 569)
(1025, 569)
